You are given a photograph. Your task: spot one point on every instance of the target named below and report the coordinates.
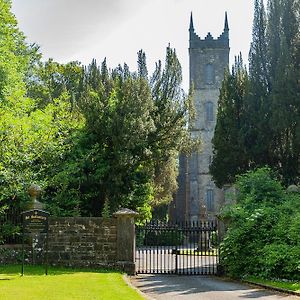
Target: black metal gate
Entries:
(184, 249)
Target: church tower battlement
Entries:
(198, 198)
(209, 42)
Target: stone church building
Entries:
(198, 198)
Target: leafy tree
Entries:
(118, 122)
(32, 136)
(13, 58)
(50, 80)
(14, 107)
(94, 139)
(125, 155)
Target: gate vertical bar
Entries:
(209, 248)
(146, 246)
(194, 238)
(176, 252)
(204, 247)
(150, 249)
(157, 244)
(161, 250)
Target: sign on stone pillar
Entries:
(35, 221)
(126, 239)
(35, 225)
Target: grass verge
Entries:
(286, 285)
(63, 283)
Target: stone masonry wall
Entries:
(82, 242)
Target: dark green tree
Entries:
(125, 155)
(258, 54)
(256, 131)
(142, 65)
(284, 96)
(170, 115)
(229, 155)
(269, 132)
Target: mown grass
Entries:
(63, 283)
(288, 285)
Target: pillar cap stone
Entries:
(34, 190)
(125, 212)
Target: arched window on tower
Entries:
(210, 205)
(209, 111)
(209, 74)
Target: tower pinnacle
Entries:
(191, 23)
(226, 27)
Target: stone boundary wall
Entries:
(12, 254)
(93, 242)
(82, 241)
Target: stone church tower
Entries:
(197, 197)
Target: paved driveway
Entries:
(174, 287)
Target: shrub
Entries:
(263, 237)
(280, 261)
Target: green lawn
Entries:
(288, 285)
(63, 283)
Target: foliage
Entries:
(258, 125)
(229, 154)
(94, 139)
(9, 230)
(263, 234)
(133, 131)
(265, 128)
(13, 59)
(15, 108)
(50, 80)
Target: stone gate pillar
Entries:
(126, 240)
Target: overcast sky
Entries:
(116, 29)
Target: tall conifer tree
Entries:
(229, 157)
(269, 133)
(284, 99)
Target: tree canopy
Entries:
(267, 131)
(93, 138)
(133, 130)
